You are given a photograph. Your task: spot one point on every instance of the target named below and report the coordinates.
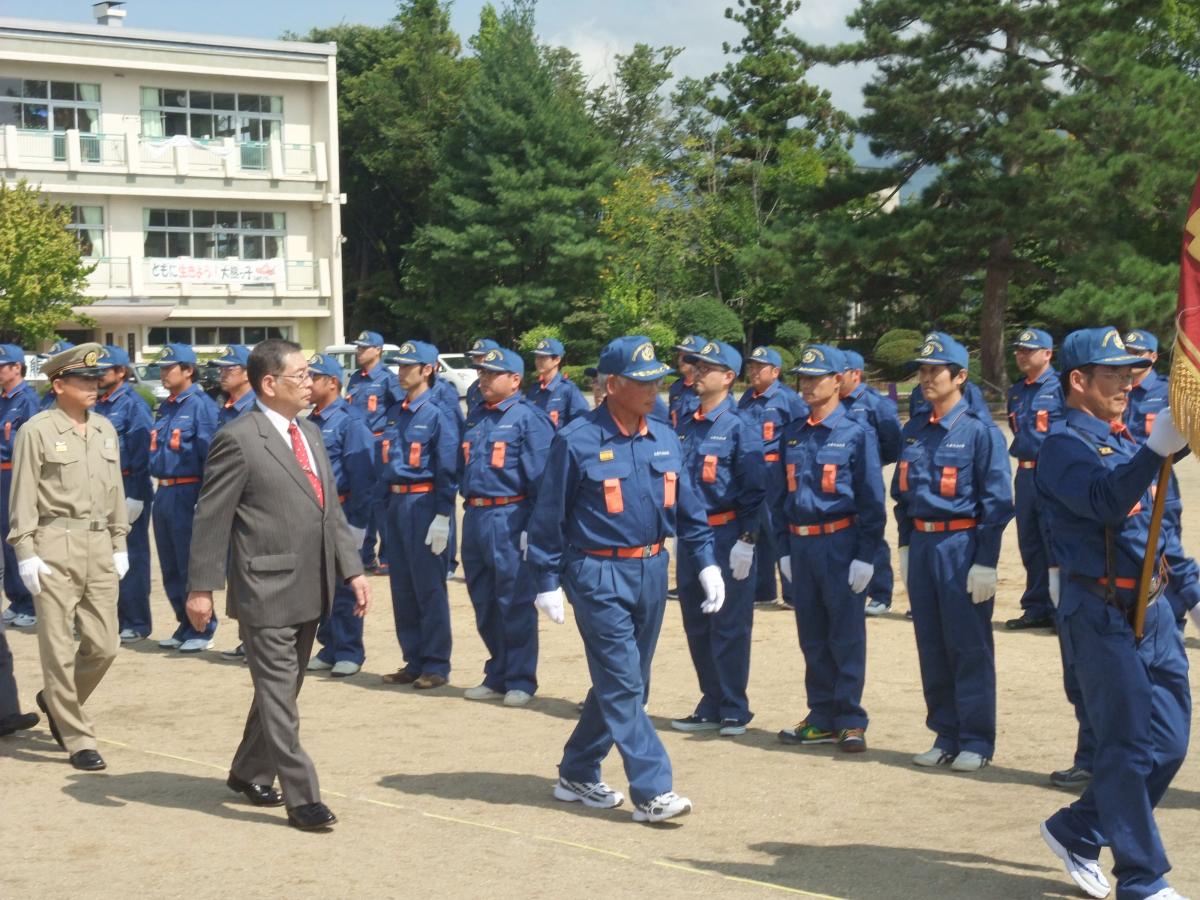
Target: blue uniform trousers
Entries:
(173, 511)
(719, 643)
(1139, 703)
(376, 530)
(766, 553)
(1085, 739)
(19, 599)
(133, 601)
(832, 628)
(1032, 542)
(883, 581)
(341, 632)
(618, 607)
(420, 602)
(502, 592)
(954, 643)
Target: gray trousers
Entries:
(271, 742)
(9, 704)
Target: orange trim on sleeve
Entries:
(670, 480)
(613, 501)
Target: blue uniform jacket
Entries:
(131, 418)
(660, 411)
(182, 431)
(878, 413)
(446, 396)
(16, 409)
(559, 399)
(231, 409)
(474, 395)
(1146, 401)
(1090, 479)
(420, 443)
(1033, 406)
(47, 401)
(771, 411)
(955, 468)
(603, 488)
(723, 453)
(504, 449)
(351, 449)
(373, 393)
(971, 393)
(682, 401)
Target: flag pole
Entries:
(1150, 563)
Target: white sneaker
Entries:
(344, 667)
(594, 794)
(481, 692)
(932, 757)
(24, 620)
(195, 645)
(663, 807)
(875, 608)
(129, 636)
(316, 664)
(8, 615)
(1086, 872)
(170, 643)
(969, 761)
(1167, 893)
(517, 698)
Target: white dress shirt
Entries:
(281, 425)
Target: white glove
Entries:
(31, 571)
(1055, 584)
(904, 566)
(785, 567)
(524, 545)
(981, 583)
(551, 604)
(121, 562)
(1165, 439)
(438, 536)
(741, 558)
(133, 508)
(1194, 615)
(860, 575)
(358, 535)
(714, 590)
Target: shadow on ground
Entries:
(168, 790)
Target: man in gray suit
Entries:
(269, 509)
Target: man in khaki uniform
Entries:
(68, 527)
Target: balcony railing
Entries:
(112, 273)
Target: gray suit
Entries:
(259, 514)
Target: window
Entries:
(54, 106)
(88, 224)
(213, 234)
(206, 115)
(216, 336)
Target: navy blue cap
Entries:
(693, 343)
(633, 357)
(112, 355)
(233, 355)
(1097, 347)
(176, 354)
(1034, 339)
(940, 349)
(767, 356)
(482, 346)
(324, 364)
(1141, 341)
(11, 353)
(854, 361)
(549, 347)
(57, 347)
(368, 339)
(820, 359)
(502, 360)
(716, 353)
(415, 353)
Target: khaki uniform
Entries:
(68, 508)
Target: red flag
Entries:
(1185, 362)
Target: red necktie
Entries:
(302, 459)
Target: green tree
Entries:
(42, 276)
(631, 111)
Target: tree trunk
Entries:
(992, 364)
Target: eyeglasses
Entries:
(297, 377)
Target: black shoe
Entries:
(1074, 777)
(41, 704)
(258, 794)
(1026, 622)
(88, 761)
(18, 722)
(311, 817)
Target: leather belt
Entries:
(721, 518)
(645, 552)
(494, 501)
(73, 524)
(417, 487)
(1099, 586)
(824, 528)
(771, 457)
(1027, 464)
(168, 482)
(931, 526)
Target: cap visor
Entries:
(1136, 362)
(654, 374)
(811, 370)
(489, 367)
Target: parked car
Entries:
(456, 369)
(147, 375)
(344, 354)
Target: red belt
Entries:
(419, 487)
(823, 528)
(494, 501)
(377, 433)
(723, 518)
(929, 526)
(1027, 464)
(342, 497)
(168, 482)
(628, 552)
(771, 457)
(6, 466)
(1125, 584)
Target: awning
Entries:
(126, 311)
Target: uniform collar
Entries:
(1086, 422)
(191, 391)
(1043, 378)
(858, 391)
(414, 405)
(504, 405)
(374, 373)
(949, 419)
(64, 424)
(242, 403)
(115, 392)
(606, 421)
(830, 421)
(20, 387)
(338, 403)
(552, 383)
(717, 411)
(1151, 379)
(771, 390)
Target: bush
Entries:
(528, 341)
(793, 335)
(894, 349)
(788, 357)
(710, 318)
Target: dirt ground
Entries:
(442, 797)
